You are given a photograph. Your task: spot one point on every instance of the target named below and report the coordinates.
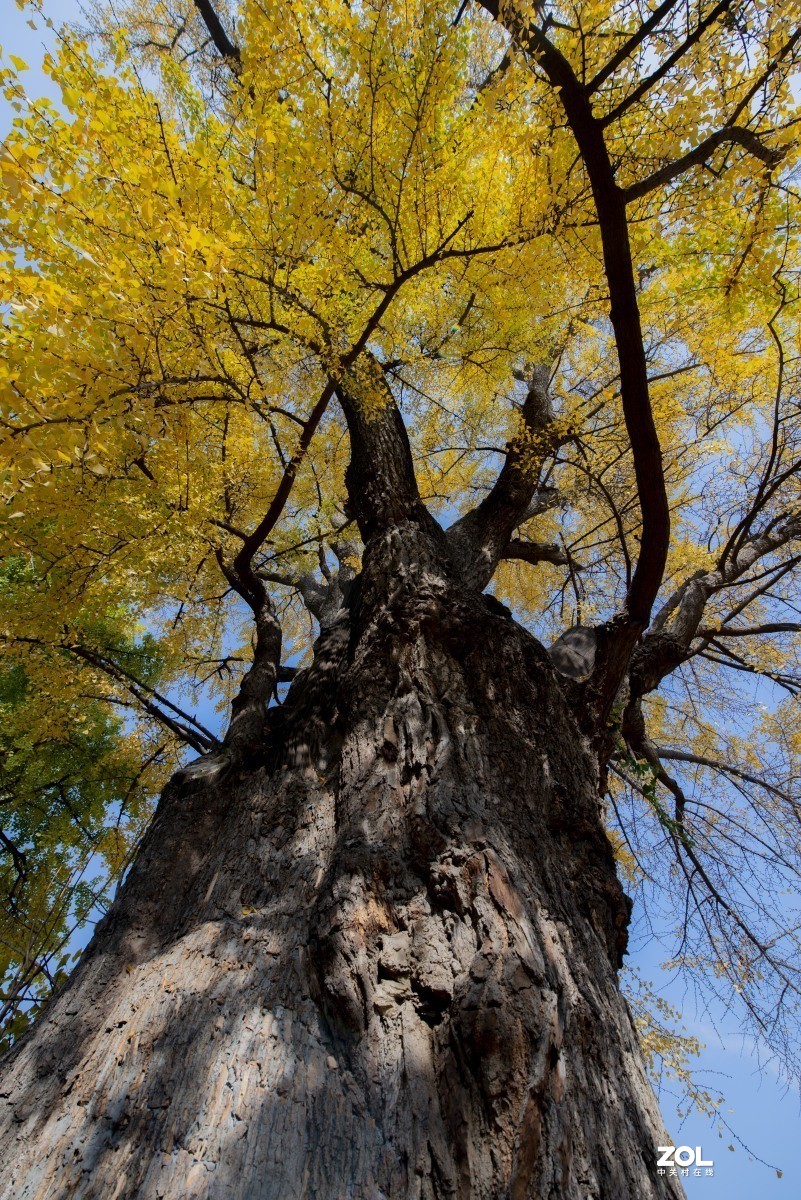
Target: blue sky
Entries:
(764, 1110)
(760, 1107)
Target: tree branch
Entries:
(618, 637)
(641, 743)
(242, 564)
(730, 134)
(668, 643)
(313, 593)
(241, 575)
(629, 46)
(380, 477)
(187, 728)
(535, 552)
(648, 82)
(714, 764)
(20, 861)
(751, 630)
(479, 539)
(184, 726)
(217, 34)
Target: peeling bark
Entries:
(381, 963)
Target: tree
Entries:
(321, 323)
(57, 796)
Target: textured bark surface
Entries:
(381, 963)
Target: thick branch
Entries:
(751, 630)
(535, 552)
(669, 642)
(731, 134)
(241, 575)
(479, 539)
(380, 478)
(617, 639)
(216, 32)
(312, 592)
(245, 734)
(544, 498)
(690, 611)
(324, 599)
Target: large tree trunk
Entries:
(380, 964)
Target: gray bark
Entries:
(378, 961)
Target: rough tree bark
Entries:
(375, 958)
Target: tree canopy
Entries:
(558, 244)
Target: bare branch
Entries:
(253, 541)
(669, 641)
(714, 764)
(536, 552)
(751, 630)
(232, 529)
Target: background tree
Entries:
(320, 324)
